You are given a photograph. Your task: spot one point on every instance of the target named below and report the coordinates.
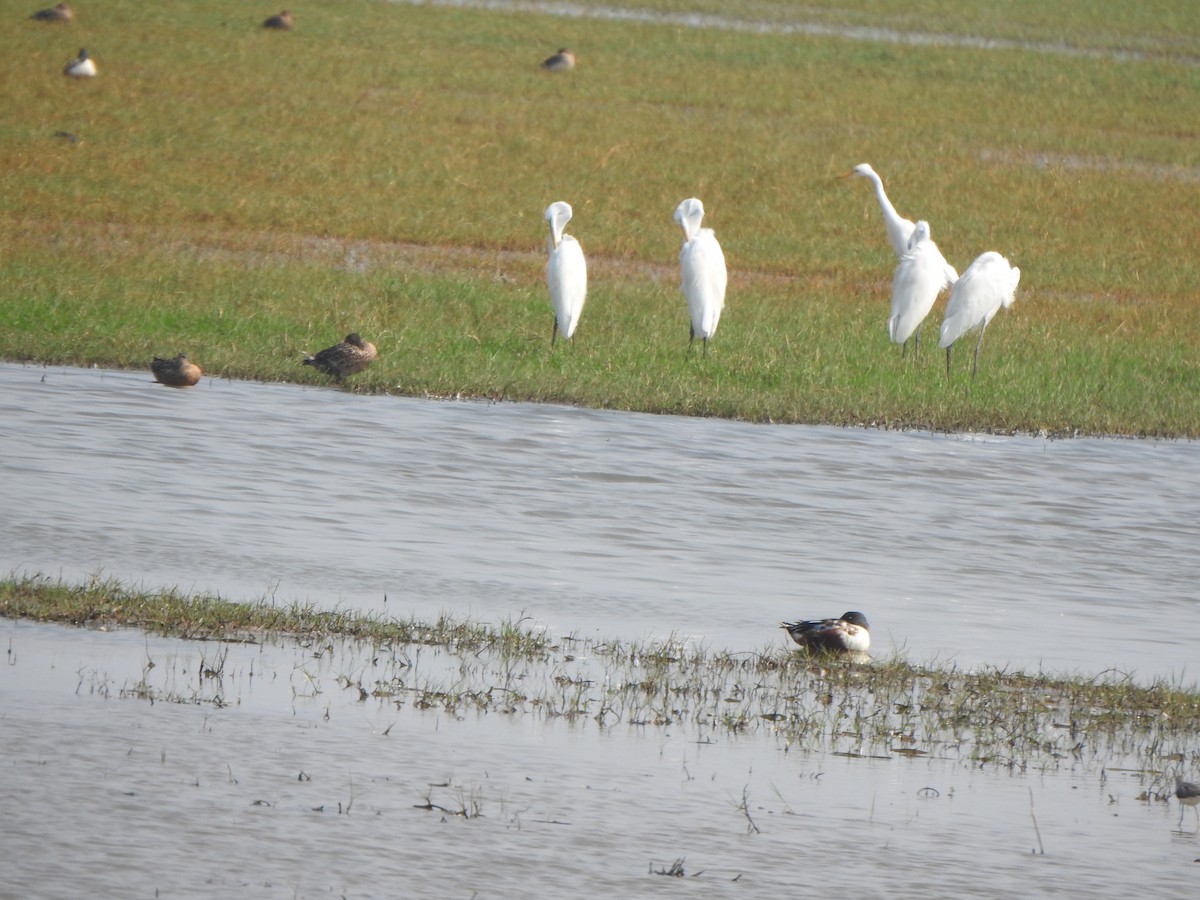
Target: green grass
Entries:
(243, 196)
(890, 706)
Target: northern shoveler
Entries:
(1188, 794)
(561, 61)
(177, 372)
(281, 21)
(81, 66)
(60, 13)
(847, 634)
(350, 356)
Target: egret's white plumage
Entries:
(566, 272)
(923, 273)
(988, 283)
(899, 229)
(702, 273)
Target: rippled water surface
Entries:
(123, 775)
(1075, 555)
(293, 787)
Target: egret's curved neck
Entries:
(881, 195)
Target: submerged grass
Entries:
(243, 196)
(890, 707)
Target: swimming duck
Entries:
(561, 61)
(60, 13)
(282, 21)
(350, 356)
(81, 66)
(849, 633)
(177, 372)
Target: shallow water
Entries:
(1068, 555)
(135, 780)
(293, 787)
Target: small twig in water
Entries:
(745, 808)
(1036, 830)
(676, 870)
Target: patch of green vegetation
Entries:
(242, 195)
(888, 707)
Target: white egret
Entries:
(566, 272)
(899, 229)
(923, 273)
(702, 274)
(988, 283)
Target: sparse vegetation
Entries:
(890, 707)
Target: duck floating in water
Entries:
(81, 66)
(177, 372)
(562, 61)
(350, 356)
(847, 634)
(60, 13)
(281, 21)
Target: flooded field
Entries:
(281, 770)
(263, 771)
(1074, 555)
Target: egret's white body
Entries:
(899, 229)
(566, 272)
(81, 66)
(988, 284)
(923, 273)
(702, 273)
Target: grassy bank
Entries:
(242, 196)
(890, 706)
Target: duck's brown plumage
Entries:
(281, 21)
(561, 61)
(177, 372)
(60, 13)
(345, 358)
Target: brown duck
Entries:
(561, 61)
(177, 372)
(281, 21)
(60, 13)
(350, 356)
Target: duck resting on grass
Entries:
(848, 634)
(60, 13)
(82, 66)
(177, 372)
(350, 356)
(281, 21)
(562, 61)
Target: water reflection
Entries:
(1071, 555)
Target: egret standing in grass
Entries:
(987, 284)
(899, 229)
(702, 274)
(566, 272)
(923, 273)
